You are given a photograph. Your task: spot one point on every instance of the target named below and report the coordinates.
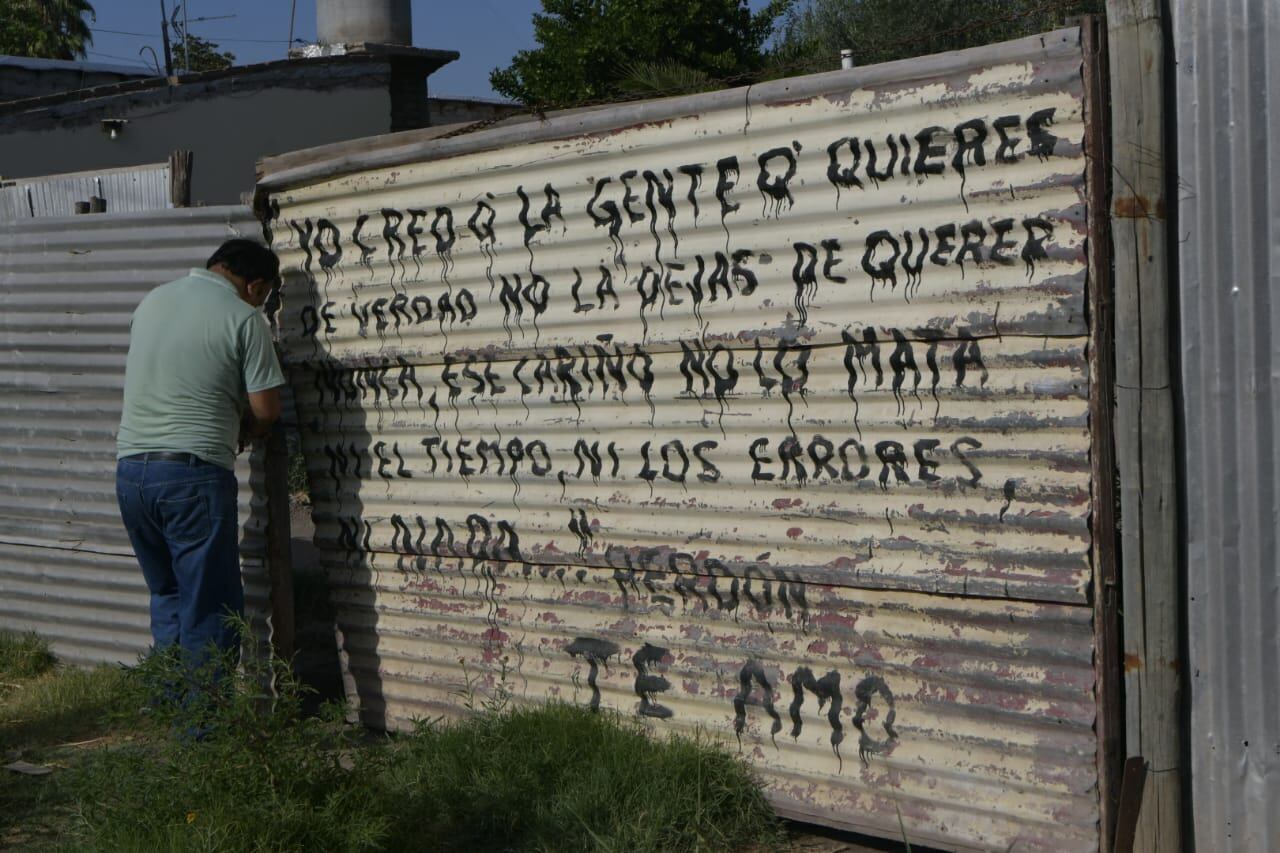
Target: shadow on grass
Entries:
(62, 705)
(49, 717)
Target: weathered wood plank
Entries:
(279, 562)
(1144, 417)
(180, 162)
(1106, 590)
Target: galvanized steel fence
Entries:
(1227, 209)
(131, 190)
(68, 287)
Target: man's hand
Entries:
(262, 413)
(245, 439)
(251, 430)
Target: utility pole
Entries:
(164, 35)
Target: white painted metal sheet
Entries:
(694, 407)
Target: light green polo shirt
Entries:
(195, 351)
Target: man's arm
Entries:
(262, 380)
(263, 412)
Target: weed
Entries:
(243, 769)
(902, 827)
(228, 765)
(476, 694)
(23, 656)
(299, 487)
(559, 777)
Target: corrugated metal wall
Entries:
(68, 287)
(130, 190)
(1228, 117)
(763, 411)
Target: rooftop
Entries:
(31, 64)
(429, 60)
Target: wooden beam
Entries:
(1144, 420)
(1131, 788)
(180, 178)
(279, 557)
(1108, 656)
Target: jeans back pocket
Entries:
(185, 520)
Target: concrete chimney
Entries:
(364, 21)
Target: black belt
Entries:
(165, 456)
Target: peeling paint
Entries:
(776, 428)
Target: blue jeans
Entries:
(181, 518)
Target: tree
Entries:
(46, 29)
(587, 48)
(882, 30)
(194, 54)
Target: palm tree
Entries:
(49, 29)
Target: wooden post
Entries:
(180, 162)
(1101, 306)
(279, 557)
(1144, 420)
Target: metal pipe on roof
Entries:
(364, 21)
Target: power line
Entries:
(123, 33)
(121, 58)
(219, 40)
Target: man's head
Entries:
(251, 267)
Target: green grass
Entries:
(36, 813)
(47, 713)
(62, 705)
(23, 656)
(269, 777)
(559, 777)
(45, 705)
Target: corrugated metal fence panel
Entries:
(13, 202)
(1228, 226)
(131, 190)
(763, 411)
(68, 287)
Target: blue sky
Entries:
(486, 32)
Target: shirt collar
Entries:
(209, 275)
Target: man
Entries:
(201, 378)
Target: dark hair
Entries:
(249, 260)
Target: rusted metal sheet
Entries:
(972, 716)
(68, 287)
(714, 408)
(643, 471)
